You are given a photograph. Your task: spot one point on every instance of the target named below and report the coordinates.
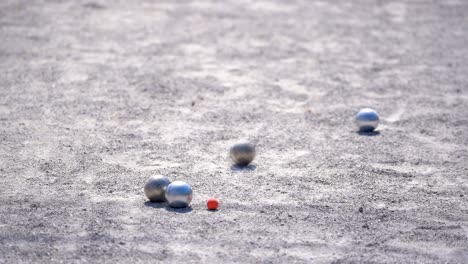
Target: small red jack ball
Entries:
(212, 204)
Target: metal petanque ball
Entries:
(367, 120)
(179, 194)
(155, 188)
(242, 153)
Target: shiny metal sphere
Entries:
(242, 153)
(155, 188)
(179, 194)
(367, 120)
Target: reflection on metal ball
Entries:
(242, 153)
(367, 120)
(155, 188)
(179, 194)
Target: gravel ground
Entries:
(97, 96)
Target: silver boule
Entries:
(179, 194)
(242, 153)
(367, 120)
(155, 188)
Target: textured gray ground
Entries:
(97, 96)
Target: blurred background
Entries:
(96, 96)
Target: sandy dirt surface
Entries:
(97, 96)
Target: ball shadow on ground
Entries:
(239, 168)
(368, 134)
(155, 205)
(179, 210)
